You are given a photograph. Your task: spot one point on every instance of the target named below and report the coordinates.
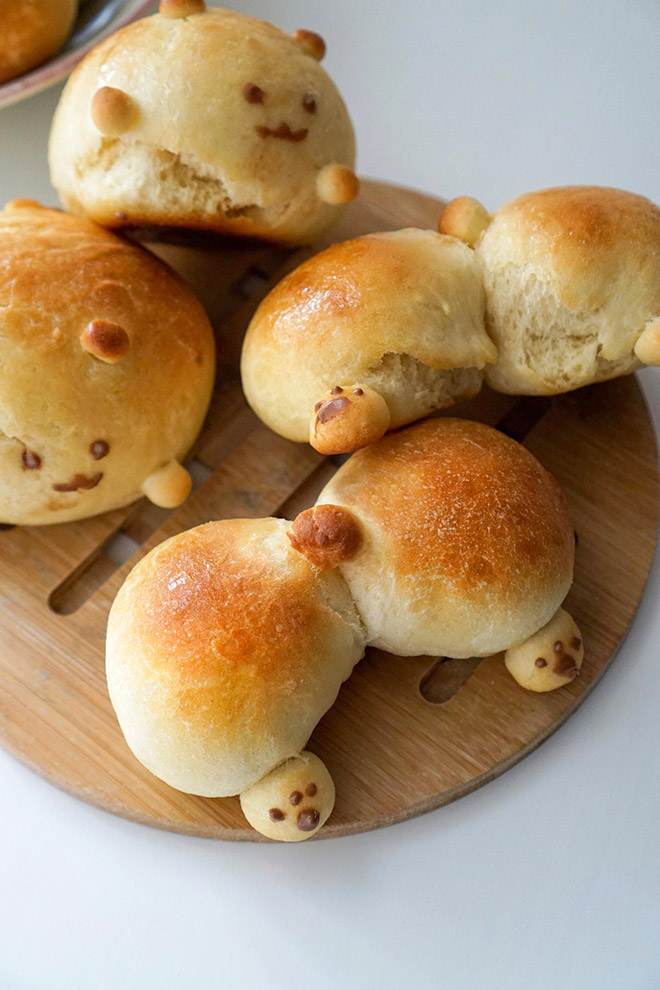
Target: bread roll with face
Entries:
(452, 539)
(225, 647)
(572, 279)
(31, 31)
(107, 370)
(205, 119)
(366, 336)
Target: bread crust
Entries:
(410, 294)
(32, 31)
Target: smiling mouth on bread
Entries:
(283, 132)
(79, 482)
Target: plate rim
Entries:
(63, 63)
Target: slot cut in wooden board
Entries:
(406, 734)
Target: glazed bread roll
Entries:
(31, 31)
(368, 335)
(466, 543)
(107, 370)
(205, 119)
(224, 649)
(572, 279)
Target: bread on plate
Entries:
(227, 643)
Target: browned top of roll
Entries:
(225, 648)
(464, 530)
(32, 31)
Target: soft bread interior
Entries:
(412, 389)
(556, 348)
(186, 187)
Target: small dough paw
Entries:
(310, 42)
(168, 486)
(293, 801)
(337, 184)
(647, 348)
(465, 218)
(113, 111)
(105, 340)
(328, 535)
(347, 418)
(550, 658)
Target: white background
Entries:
(547, 878)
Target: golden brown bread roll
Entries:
(31, 31)
(107, 370)
(205, 119)
(467, 545)
(227, 643)
(368, 335)
(224, 649)
(572, 278)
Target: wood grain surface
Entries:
(406, 735)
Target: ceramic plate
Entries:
(96, 20)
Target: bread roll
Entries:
(572, 279)
(368, 335)
(31, 31)
(224, 649)
(466, 543)
(205, 119)
(107, 369)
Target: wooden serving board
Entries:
(406, 735)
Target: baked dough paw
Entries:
(348, 417)
(293, 801)
(550, 658)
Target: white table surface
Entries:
(547, 878)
